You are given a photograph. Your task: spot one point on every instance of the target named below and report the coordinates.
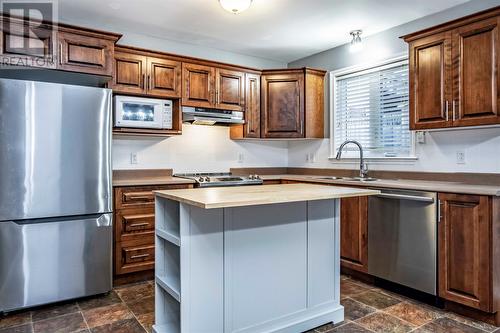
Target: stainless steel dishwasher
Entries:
(402, 238)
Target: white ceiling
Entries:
(281, 30)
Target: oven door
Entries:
(138, 112)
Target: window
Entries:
(371, 106)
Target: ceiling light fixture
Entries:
(235, 6)
(356, 42)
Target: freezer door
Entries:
(55, 143)
(54, 260)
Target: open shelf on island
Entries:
(167, 220)
(167, 270)
(169, 237)
(170, 285)
(168, 313)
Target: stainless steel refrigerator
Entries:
(55, 193)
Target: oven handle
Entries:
(405, 197)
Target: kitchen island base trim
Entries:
(263, 268)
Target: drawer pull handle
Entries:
(135, 225)
(139, 256)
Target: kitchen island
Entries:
(248, 259)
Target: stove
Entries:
(220, 179)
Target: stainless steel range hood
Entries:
(201, 116)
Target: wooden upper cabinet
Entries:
(252, 103)
(129, 73)
(354, 233)
(57, 46)
(455, 73)
(86, 53)
(283, 105)
(230, 90)
(20, 45)
(164, 77)
(465, 250)
(476, 73)
(142, 73)
(430, 82)
(198, 85)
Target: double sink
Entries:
(353, 179)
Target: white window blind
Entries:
(371, 107)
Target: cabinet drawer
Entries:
(138, 254)
(139, 195)
(134, 223)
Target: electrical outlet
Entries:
(241, 157)
(313, 158)
(133, 158)
(460, 157)
(420, 137)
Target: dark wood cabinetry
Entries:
(134, 227)
(454, 73)
(354, 233)
(198, 86)
(430, 82)
(465, 247)
(252, 103)
(57, 46)
(291, 105)
(81, 52)
(230, 90)
(476, 61)
(283, 105)
(212, 87)
(141, 73)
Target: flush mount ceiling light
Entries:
(235, 6)
(356, 42)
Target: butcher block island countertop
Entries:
(249, 259)
(239, 196)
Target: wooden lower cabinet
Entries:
(354, 233)
(134, 228)
(467, 234)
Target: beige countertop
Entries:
(224, 197)
(162, 180)
(421, 185)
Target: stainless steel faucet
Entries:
(363, 168)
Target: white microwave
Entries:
(140, 112)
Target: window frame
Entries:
(351, 71)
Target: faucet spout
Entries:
(363, 169)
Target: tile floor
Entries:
(130, 309)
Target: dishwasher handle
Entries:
(405, 197)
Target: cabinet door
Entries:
(85, 54)
(283, 105)
(198, 85)
(129, 73)
(32, 47)
(354, 233)
(465, 250)
(164, 77)
(252, 103)
(430, 82)
(476, 73)
(230, 90)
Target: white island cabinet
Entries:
(248, 259)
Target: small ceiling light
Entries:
(235, 6)
(356, 42)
